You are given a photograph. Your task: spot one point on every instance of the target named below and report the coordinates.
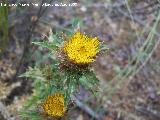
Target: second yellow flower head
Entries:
(53, 105)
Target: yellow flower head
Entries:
(81, 49)
(54, 105)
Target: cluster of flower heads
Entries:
(80, 49)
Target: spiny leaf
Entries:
(46, 44)
(104, 47)
(55, 38)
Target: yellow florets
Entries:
(81, 49)
(54, 105)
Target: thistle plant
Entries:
(72, 58)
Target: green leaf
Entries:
(77, 21)
(69, 32)
(55, 39)
(104, 47)
(31, 102)
(31, 115)
(34, 73)
(84, 82)
(89, 80)
(46, 44)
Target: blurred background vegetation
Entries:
(129, 74)
(3, 26)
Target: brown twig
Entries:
(87, 109)
(150, 113)
(27, 42)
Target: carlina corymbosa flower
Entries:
(81, 49)
(54, 106)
